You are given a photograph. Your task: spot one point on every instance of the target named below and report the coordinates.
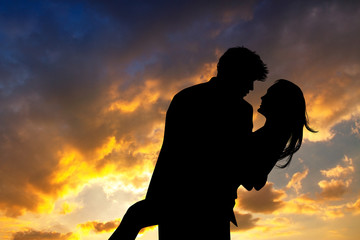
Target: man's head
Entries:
(239, 68)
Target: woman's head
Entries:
(284, 104)
(283, 101)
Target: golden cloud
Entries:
(333, 189)
(127, 162)
(354, 207)
(306, 205)
(296, 179)
(134, 98)
(302, 204)
(244, 222)
(67, 208)
(325, 110)
(110, 226)
(340, 171)
(356, 128)
(43, 235)
(267, 200)
(277, 227)
(99, 227)
(340, 182)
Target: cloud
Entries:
(110, 226)
(302, 204)
(42, 235)
(334, 189)
(341, 178)
(244, 222)
(84, 89)
(307, 205)
(354, 207)
(356, 128)
(300, 53)
(267, 200)
(296, 179)
(99, 227)
(340, 171)
(67, 208)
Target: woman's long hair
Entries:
(293, 106)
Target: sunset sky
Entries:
(85, 85)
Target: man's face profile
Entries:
(239, 84)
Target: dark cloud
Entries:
(244, 222)
(333, 190)
(58, 63)
(64, 63)
(40, 235)
(267, 200)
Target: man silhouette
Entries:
(203, 157)
(206, 131)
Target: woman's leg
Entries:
(138, 216)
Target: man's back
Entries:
(205, 135)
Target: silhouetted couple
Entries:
(209, 150)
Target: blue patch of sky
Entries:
(139, 65)
(13, 72)
(135, 70)
(317, 156)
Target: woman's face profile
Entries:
(268, 103)
(282, 100)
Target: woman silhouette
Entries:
(284, 108)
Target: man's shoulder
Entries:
(193, 93)
(194, 89)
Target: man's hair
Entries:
(244, 60)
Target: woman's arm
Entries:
(263, 151)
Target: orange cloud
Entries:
(267, 200)
(99, 227)
(333, 189)
(354, 207)
(296, 179)
(324, 109)
(42, 235)
(144, 97)
(340, 171)
(306, 205)
(340, 180)
(110, 226)
(302, 204)
(126, 161)
(67, 208)
(244, 222)
(356, 128)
